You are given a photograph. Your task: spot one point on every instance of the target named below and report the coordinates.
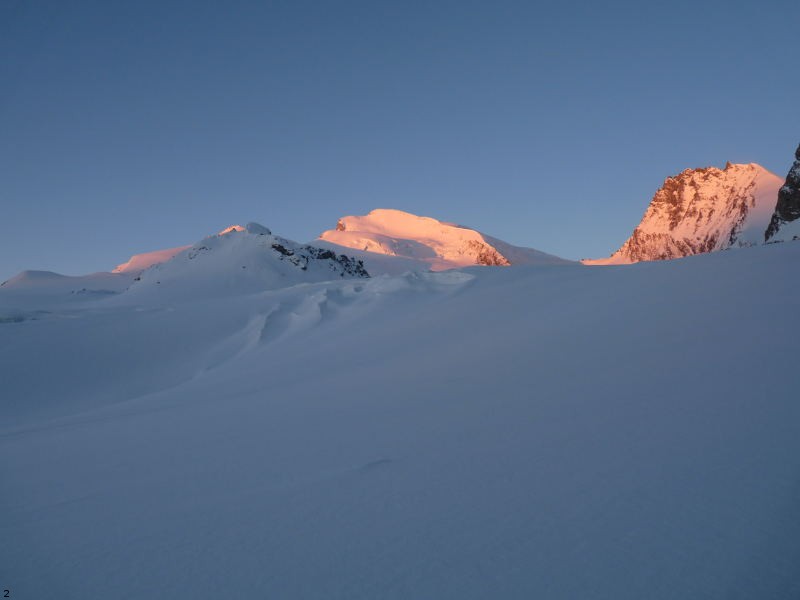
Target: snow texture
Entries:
(538, 432)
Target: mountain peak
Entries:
(251, 227)
(702, 210)
(242, 260)
(787, 209)
(257, 229)
(231, 229)
(438, 245)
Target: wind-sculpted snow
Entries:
(286, 314)
(97, 351)
(537, 432)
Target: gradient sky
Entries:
(128, 127)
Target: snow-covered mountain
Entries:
(241, 260)
(423, 240)
(702, 210)
(785, 222)
(234, 260)
(238, 260)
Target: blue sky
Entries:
(128, 127)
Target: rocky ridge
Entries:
(787, 210)
(702, 210)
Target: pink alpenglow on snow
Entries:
(140, 262)
(230, 229)
(436, 244)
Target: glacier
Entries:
(553, 431)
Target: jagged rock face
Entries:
(702, 210)
(485, 255)
(301, 256)
(788, 207)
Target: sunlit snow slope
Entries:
(703, 210)
(541, 432)
(426, 241)
(139, 262)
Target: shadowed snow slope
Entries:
(37, 289)
(702, 210)
(540, 432)
(426, 241)
(240, 261)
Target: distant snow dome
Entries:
(438, 245)
(257, 229)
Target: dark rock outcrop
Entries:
(788, 207)
(302, 255)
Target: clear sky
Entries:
(132, 126)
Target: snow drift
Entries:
(539, 432)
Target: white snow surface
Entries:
(788, 232)
(703, 210)
(37, 289)
(538, 432)
(235, 261)
(139, 262)
(426, 241)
